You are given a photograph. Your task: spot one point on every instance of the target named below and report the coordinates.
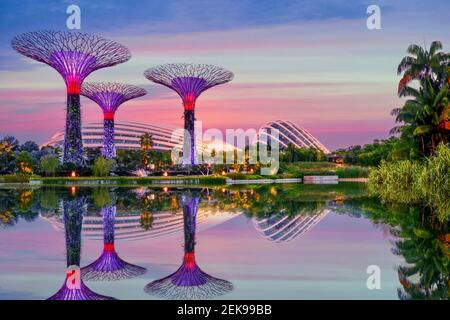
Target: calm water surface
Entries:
(284, 242)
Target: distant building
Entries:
(127, 136)
(289, 133)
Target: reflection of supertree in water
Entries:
(73, 219)
(189, 81)
(109, 96)
(74, 55)
(189, 281)
(109, 266)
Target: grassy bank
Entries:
(123, 181)
(301, 169)
(409, 182)
(295, 170)
(14, 178)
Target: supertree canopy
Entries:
(109, 96)
(73, 218)
(74, 55)
(189, 81)
(189, 281)
(109, 266)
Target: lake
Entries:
(248, 242)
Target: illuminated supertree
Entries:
(189, 281)
(74, 55)
(109, 96)
(74, 289)
(189, 81)
(109, 266)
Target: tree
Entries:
(146, 146)
(102, 167)
(49, 164)
(422, 65)
(29, 146)
(426, 114)
(24, 163)
(8, 146)
(128, 160)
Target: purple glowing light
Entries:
(109, 266)
(74, 55)
(189, 88)
(189, 81)
(74, 67)
(82, 293)
(189, 281)
(73, 218)
(109, 96)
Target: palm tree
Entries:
(426, 115)
(422, 64)
(146, 146)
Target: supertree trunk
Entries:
(73, 219)
(109, 266)
(73, 143)
(189, 281)
(109, 96)
(189, 138)
(109, 148)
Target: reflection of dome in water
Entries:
(283, 228)
(128, 226)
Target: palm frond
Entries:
(435, 47)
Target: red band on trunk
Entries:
(73, 85)
(189, 260)
(108, 247)
(108, 115)
(189, 102)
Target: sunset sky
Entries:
(312, 62)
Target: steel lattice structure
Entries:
(74, 55)
(189, 281)
(189, 81)
(109, 266)
(109, 96)
(73, 219)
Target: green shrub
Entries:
(434, 181)
(396, 181)
(352, 172)
(49, 164)
(236, 176)
(102, 167)
(411, 183)
(213, 180)
(24, 163)
(14, 178)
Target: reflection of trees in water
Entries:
(189, 281)
(418, 237)
(73, 218)
(17, 204)
(109, 266)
